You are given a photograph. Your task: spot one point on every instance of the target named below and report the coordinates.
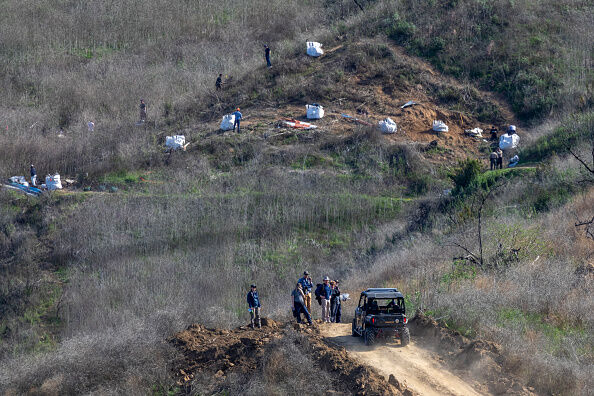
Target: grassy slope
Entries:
(158, 252)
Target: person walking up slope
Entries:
(253, 301)
(238, 118)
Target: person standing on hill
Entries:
(493, 157)
(325, 295)
(238, 118)
(499, 158)
(91, 126)
(253, 301)
(267, 55)
(494, 137)
(142, 111)
(33, 176)
(219, 82)
(298, 299)
(306, 285)
(335, 308)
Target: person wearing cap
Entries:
(33, 176)
(238, 117)
(267, 55)
(142, 110)
(326, 294)
(306, 285)
(511, 130)
(254, 306)
(298, 301)
(335, 308)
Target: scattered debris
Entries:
(408, 104)
(19, 183)
(388, 126)
(513, 161)
(53, 182)
(293, 123)
(476, 132)
(314, 111)
(440, 126)
(314, 49)
(357, 120)
(91, 126)
(507, 141)
(228, 122)
(175, 142)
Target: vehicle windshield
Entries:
(385, 305)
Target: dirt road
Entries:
(421, 369)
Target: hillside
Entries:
(99, 280)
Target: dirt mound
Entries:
(478, 358)
(219, 354)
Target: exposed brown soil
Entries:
(438, 361)
(220, 353)
(372, 99)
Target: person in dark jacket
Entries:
(494, 137)
(298, 300)
(253, 301)
(306, 285)
(335, 307)
(142, 110)
(325, 294)
(33, 176)
(219, 82)
(267, 55)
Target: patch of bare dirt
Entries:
(221, 353)
(477, 359)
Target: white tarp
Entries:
(507, 142)
(514, 161)
(175, 142)
(314, 111)
(440, 126)
(476, 132)
(53, 182)
(20, 180)
(388, 126)
(314, 49)
(228, 122)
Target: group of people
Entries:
(496, 156)
(327, 294)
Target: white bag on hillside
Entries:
(314, 111)
(314, 49)
(175, 142)
(388, 126)
(20, 180)
(440, 126)
(53, 182)
(228, 122)
(507, 142)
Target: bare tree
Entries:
(588, 165)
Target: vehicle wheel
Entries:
(405, 337)
(353, 330)
(369, 337)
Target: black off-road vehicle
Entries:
(381, 314)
